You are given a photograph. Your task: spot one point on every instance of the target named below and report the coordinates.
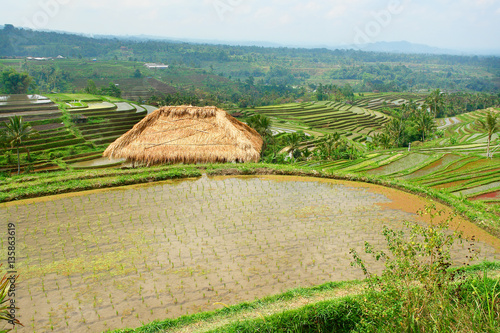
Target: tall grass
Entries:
(417, 292)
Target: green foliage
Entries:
(8, 157)
(491, 125)
(137, 73)
(91, 88)
(461, 102)
(334, 147)
(329, 316)
(3, 138)
(485, 294)
(247, 76)
(424, 123)
(417, 292)
(383, 140)
(409, 123)
(12, 82)
(177, 98)
(111, 90)
(293, 142)
(17, 131)
(334, 92)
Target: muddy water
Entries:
(103, 161)
(116, 258)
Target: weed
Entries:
(417, 291)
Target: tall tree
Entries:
(293, 141)
(262, 125)
(491, 125)
(435, 102)
(91, 88)
(111, 90)
(382, 140)
(14, 82)
(17, 131)
(395, 130)
(425, 122)
(329, 144)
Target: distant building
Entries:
(155, 66)
(38, 58)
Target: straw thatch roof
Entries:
(187, 134)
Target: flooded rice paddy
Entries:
(117, 258)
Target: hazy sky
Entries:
(456, 24)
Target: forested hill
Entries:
(293, 68)
(23, 42)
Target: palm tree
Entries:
(293, 141)
(491, 126)
(261, 124)
(329, 143)
(382, 140)
(425, 123)
(435, 102)
(16, 131)
(395, 129)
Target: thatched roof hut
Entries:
(187, 134)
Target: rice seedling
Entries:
(186, 245)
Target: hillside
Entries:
(71, 129)
(219, 69)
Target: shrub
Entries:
(9, 157)
(417, 291)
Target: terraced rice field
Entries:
(105, 122)
(378, 102)
(461, 169)
(109, 259)
(30, 107)
(354, 122)
(460, 174)
(465, 130)
(110, 120)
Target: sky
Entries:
(449, 24)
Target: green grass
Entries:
(74, 97)
(36, 185)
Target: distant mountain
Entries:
(403, 47)
(93, 42)
(189, 40)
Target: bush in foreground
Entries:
(418, 292)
